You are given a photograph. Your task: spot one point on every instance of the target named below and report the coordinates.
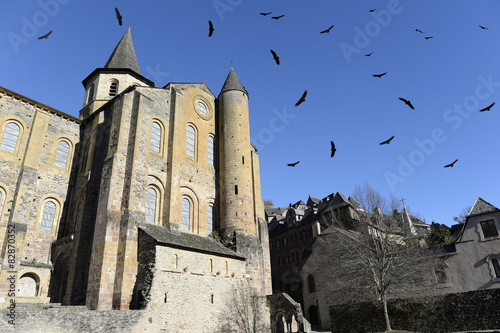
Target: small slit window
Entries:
(62, 154)
(151, 198)
(10, 137)
(90, 97)
(210, 219)
(211, 150)
(190, 141)
(235, 189)
(176, 261)
(155, 137)
(48, 216)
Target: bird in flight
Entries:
(429, 37)
(333, 149)
(46, 35)
(487, 108)
(407, 102)
(118, 16)
(277, 17)
(264, 14)
(302, 98)
(369, 54)
(484, 28)
(451, 164)
(327, 30)
(379, 75)
(386, 142)
(293, 164)
(210, 28)
(372, 10)
(417, 30)
(275, 56)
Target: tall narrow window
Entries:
(151, 198)
(235, 189)
(155, 137)
(10, 136)
(211, 150)
(226, 267)
(48, 216)
(190, 141)
(210, 219)
(62, 154)
(90, 97)
(211, 266)
(496, 267)
(113, 88)
(185, 214)
(176, 261)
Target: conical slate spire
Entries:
(123, 55)
(481, 207)
(408, 224)
(233, 83)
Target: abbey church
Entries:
(117, 209)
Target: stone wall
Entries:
(469, 311)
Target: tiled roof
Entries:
(123, 55)
(481, 207)
(232, 83)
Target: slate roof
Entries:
(123, 55)
(232, 83)
(187, 241)
(482, 207)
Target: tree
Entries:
(371, 258)
(462, 216)
(440, 237)
(268, 203)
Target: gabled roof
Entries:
(187, 241)
(123, 55)
(482, 207)
(232, 83)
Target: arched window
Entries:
(185, 214)
(496, 267)
(62, 154)
(113, 88)
(211, 266)
(151, 199)
(155, 137)
(211, 150)
(190, 141)
(176, 261)
(28, 285)
(210, 219)
(10, 137)
(310, 283)
(48, 216)
(226, 267)
(90, 97)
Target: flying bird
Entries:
(379, 75)
(407, 102)
(386, 142)
(417, 30)
(369, 54)
(264, 14)
(210, 28)
(327, 30)
(46, 35)
(487, 108)
(275, 56)
(277, 17)
(333, 149)
(451, 164)
(484, 28)
(372, 10)
(118, 16)
(293, 164)
(429, 37)
(302, 98)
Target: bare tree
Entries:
(462, 216)
(245, 313)
(371, 259)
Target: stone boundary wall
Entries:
(468, 311)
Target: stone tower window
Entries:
(190, 141)
(151, 199)
(185, 214)
(210, 219)
(176, 261)
(155, 137)
(210, 150)
(496, 267)
(211, 266)
(90, 96)
(48, 216)
(62, 154)
(113, 88)
(10, 137)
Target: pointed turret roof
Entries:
(232, 83)
(408, 224)
(123, 55)
(481, 207)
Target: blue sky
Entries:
(447, 78)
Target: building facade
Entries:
(158, 162)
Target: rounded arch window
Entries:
(185, 213)
(10, 136)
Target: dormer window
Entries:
(489, 229)
(113, 88)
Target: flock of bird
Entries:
(303, 97)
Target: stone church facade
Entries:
(114, 209)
